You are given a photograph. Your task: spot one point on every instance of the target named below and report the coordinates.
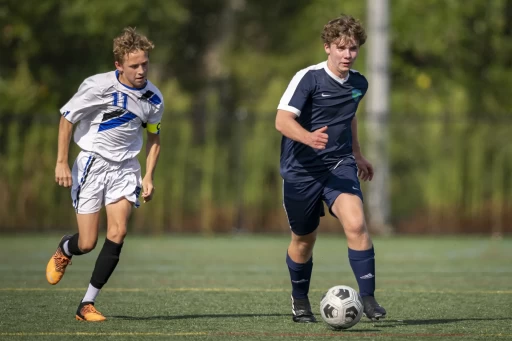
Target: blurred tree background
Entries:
(222, 66)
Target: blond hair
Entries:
(130, 41)
(345, 26)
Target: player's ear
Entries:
(118, 65)
(327, 48)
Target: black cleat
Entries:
(372, 309)
(301, 310)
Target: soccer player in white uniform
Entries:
(111, 109)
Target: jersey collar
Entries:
(129, 87)
(333, 76)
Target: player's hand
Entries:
(63, 174)
(364, 168)
(147, 189)
(318, 139)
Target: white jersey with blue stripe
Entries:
(111, 116)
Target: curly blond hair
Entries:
(345, 26)
(130, 41)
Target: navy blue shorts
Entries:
(303, 201)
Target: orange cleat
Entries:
(57, 264)
(87, 312)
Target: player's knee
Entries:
(303, 250)
(116, 232)
(87, 246)
(304, 244)
(354, 227)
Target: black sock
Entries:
(106, 263)
(73, 246)
(363, 266)
(300, 275)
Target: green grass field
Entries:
(237, 288)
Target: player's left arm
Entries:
(364, 167)
(152, 153)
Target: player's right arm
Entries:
(286, 124)
(79, 106)
(62, 171)
(290, 107)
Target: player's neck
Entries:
(124, 81)
(335, 71)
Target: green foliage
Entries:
(222, 67)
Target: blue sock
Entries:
(300, 275)
(363, 266)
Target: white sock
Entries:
(65, 248)
(91, 294)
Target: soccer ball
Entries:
(341, 307)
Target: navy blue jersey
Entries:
(320, 98)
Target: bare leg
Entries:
(117, 217)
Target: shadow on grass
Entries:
(395, 323)
(184, 317)
(199, 316)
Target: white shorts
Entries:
(98, 182)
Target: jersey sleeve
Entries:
(298, 92)
(83, 102)
(153, 124)
(365, 87)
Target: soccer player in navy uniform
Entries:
(111, 111)
(321, 161)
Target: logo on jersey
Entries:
(151, 97)
(356, 95)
